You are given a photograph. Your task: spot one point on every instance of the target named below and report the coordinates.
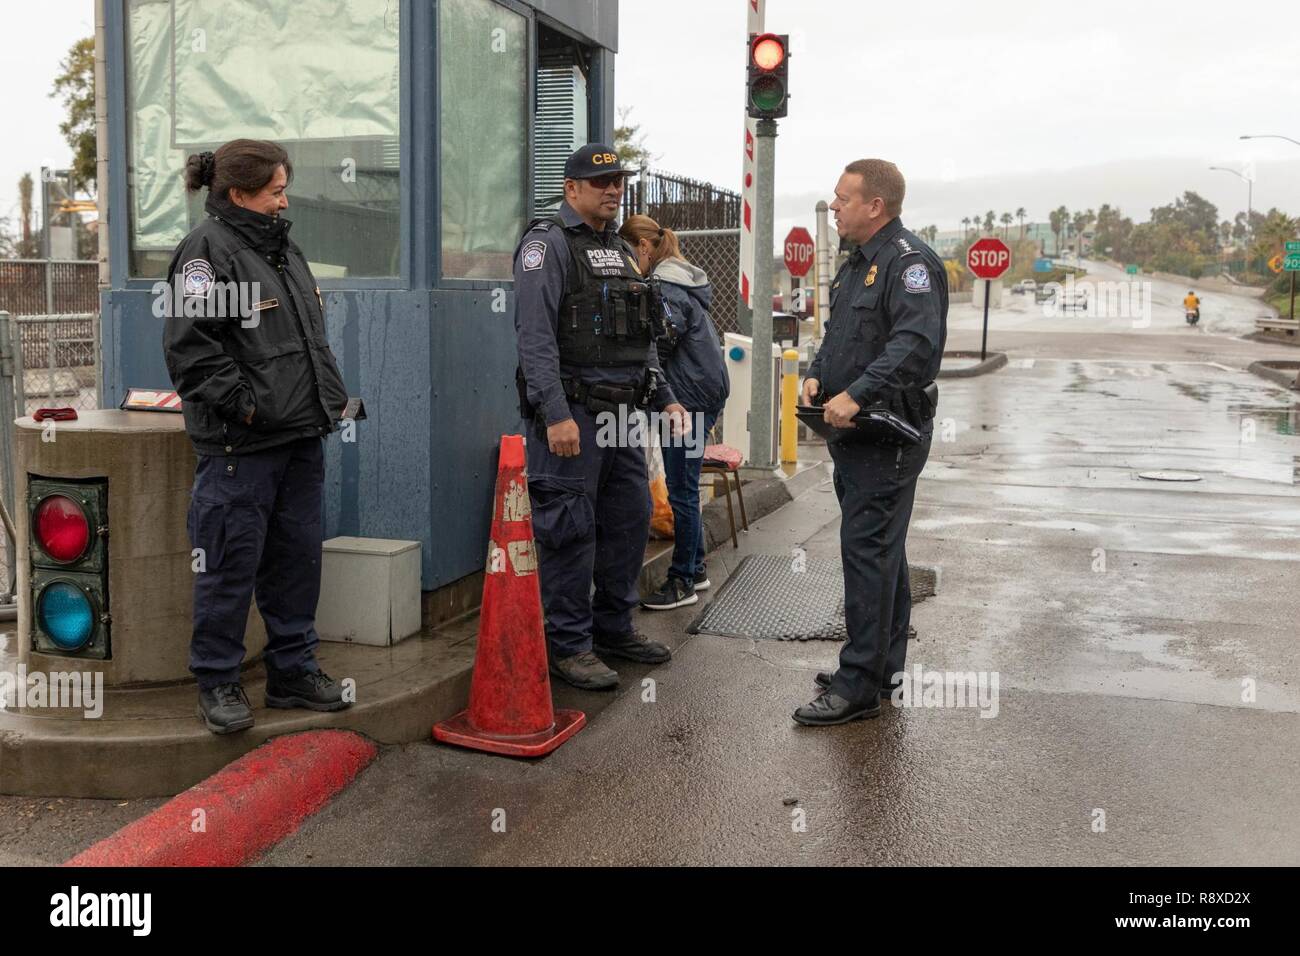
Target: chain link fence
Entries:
(717, 252)
(49, 286)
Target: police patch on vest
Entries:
(605, 262)
(916, 278)
(197, 276)
(534, 255)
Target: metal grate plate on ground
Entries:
(766, 598)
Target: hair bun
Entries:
(207, 166)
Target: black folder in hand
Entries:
(873, 424)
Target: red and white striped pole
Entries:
(755, 11)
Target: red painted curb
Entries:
(246, 807)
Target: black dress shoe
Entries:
(823, 680)
(830, 709)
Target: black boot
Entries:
(224, 709)
(314, 690)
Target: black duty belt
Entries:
(599, 397)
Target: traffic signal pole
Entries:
(760, 402)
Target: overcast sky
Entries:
(1038, 105)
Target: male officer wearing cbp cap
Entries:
(884, 341)
(585, 319)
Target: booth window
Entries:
(483, 161)
(318, 77)
(562, 113)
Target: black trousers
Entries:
(876, 485)
(591, 521)
(257, 520)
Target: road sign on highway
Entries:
(988, 258)
(1131, 270)
(1042, 265)
(1292, 262)
(1292, 246)
(1275, 263)
(799, 249)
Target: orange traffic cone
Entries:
(510, 710)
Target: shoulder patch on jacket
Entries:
(916, 278)
(197, 276)
(533, 255)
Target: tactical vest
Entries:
(607, 313)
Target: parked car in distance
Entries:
(1024, 287)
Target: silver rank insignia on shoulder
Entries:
(904, 246)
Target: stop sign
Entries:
(799, 251)
(988, 258)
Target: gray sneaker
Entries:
(224, 709)
(585, 671)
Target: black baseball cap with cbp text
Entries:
(595, 159)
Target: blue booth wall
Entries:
(433, 359)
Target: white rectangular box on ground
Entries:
(370, 591)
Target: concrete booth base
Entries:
(115, 716)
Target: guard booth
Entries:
(424, 134)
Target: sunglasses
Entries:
(604, 182)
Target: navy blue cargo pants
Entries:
(876, 485)
(591, 520)
(257, 519)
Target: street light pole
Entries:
(1250, 198)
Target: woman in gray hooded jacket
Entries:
(691, 358)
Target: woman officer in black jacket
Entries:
(246, 350)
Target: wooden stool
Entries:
(723, 460)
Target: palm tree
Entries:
(1020, 214)
(975, 222)
(1060, 220)
(989, 220)
(1081, 221)
(1006, 224)
(965, 226)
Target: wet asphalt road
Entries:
(1123, 617)
(1120, 683)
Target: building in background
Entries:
(423, 135)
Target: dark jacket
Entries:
(888, 321)
(542, 263)
(254, 336)
(694, 366)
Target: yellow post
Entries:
(789, 399)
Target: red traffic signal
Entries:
(767, 87)
(767, 52)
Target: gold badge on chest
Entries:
(871, 276)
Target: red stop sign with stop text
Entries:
(799, 251)
(988, 258)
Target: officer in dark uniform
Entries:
(586, 323)
(884, 341)
(245, 347)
